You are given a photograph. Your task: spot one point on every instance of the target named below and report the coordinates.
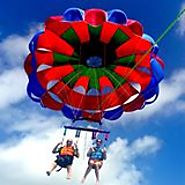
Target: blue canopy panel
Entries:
(153, 88)
(71, 113)
(117, 16)
(34, 89)
(113, 114)
(73, 14)
(157, 70)
(155, 48)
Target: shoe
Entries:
(68, 177)
(48, 173)
(82, 181)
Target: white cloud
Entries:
(25, 160)
(120, 161)
(12, 87)
(13, 80)
(172, 90)
(14, 48)
(146, 145)
(181, 25)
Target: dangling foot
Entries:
(97, 182)
(83, 180)
(48, 173)
(68, 177)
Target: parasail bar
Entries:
(87, 129)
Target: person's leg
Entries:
(97, 168)
(54, 165)
(69, 171)
(97, 173)
(89, 168)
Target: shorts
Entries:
(93, 163)
(64, 161)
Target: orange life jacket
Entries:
(67, 151)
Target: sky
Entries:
(145, 148)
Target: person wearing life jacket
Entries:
(96, 156)
(65, 157)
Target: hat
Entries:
(99, 141)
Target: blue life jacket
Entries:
(97, 154)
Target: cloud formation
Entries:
(13, 51)
(12, 87)
(30, 156)
(14, 48)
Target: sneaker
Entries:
(48, 173)
(68, 177)
(82, 181)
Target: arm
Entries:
(89, 152)
(104, 154)
(76, 151)
(56, 148)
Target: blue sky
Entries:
(155, 135)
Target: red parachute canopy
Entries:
(89, 64)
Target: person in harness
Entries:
(96, 156)
(65, 157)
